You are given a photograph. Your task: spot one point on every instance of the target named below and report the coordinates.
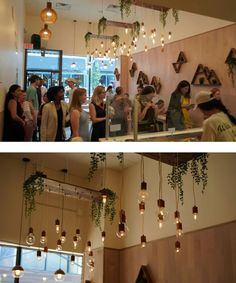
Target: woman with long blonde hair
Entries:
(97, 110)
(78, 117)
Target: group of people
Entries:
(36, 114)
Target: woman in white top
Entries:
(78, 117)
(219, 124)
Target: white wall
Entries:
(11, 40)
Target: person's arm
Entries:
(44, 122)
(74, 121)
(33, 114)
(12, 106)
(142, 114)
(93, 116)
(30, 96)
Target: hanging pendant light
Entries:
(177, 216)
(89, 246)
(143, 241)
(75, 242)
(48, 15)
(142, 207)
(177, 246)
(30, 238)
(45, 251)
(73, 64)
(57, 223)
(17, 271)
(179, 229)
(91, 262)
(72, 259)
(104, 191)
(39, 254)
(43, 238)
(45, 33)
(195, 212)
(143, 194)
(103, 236)
(121, 230)
(59, 275)
(59, 246)
(63, 237)
(169, 35)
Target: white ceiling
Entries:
(91, 10)
(76, 163)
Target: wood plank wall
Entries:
(210, 49)
(207, 256)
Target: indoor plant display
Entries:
(231, 63)
(135, 31)
(115, 40)
(33, 185)
(164, 14)
(102, 24)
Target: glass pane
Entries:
(7, 256)
(76, 268)
(30, 261)
(42, 60)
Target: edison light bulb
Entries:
(57, 223)
(102, 44)
(144, 34)
(63, 237)
(72, 259)
(39, 254)
(43, 239)
(142, 207)
(121, 230)
(160, 220)
(142, 27)
(177, 246)
(103, 236)
(143, 241)
(126, 30)
(59, 247)
(143, 194)
(169, 35)
(195, 212)
(59, 275)
(179, 229)
(75, 242)
(177, 216)
(30, 238)
(131, 59)
(89, 246)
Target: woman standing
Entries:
(97, 110)
(219, 124)
(54, 116)
(78, 117)
(186, 106)
(175, 116)
(13, 115)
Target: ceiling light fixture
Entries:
(48, 15)
(45, 33)
(73, 64)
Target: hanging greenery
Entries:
(33, 185)
(95, 159)
(125, 7)
(115, 38)
(175, 14)
(102, 24)
(135, 31)
(107, 210)
(164, 14)
(198, 169)
(87, 38)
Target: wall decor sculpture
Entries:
(156, 83)
(180, 61)
(142, 79)
(205, 77)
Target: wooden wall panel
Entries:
(111, 266)
(210, 49)
(206, 256)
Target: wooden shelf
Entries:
(205, 77)
(180, 61)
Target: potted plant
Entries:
(125, 7)
(87, 38)
(102, 24)
(231, 63)
(116, 39)
(33, 185)
(135, 31)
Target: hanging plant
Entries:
(163, 16)
(102, 24)
(175, 14)
(116, 39)
(231, 63)
(198, 169)
(95, 159)
(125, 7)
(107, 210)
(87, 38)
(33, 185)
(135, 31)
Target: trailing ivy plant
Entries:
(102, 24)
(115, 38)
(135, 31)
(95, 159)
(163, 16)
(87, 38)
(175, 14)
(198, 169)
(33, 185)
(107, 210)
(125, 7)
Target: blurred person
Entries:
(109, 93)
(13, 128)
(71, 82)
(216, 93)
(97, 111)
(186, 106)
(79, 119)
(39, 118)
(139, 90)
(175, 116)
(219, 124)
(54, 115)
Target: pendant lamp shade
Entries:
(45, 33)
(59, 275)
(48, 15)
(17, 271)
